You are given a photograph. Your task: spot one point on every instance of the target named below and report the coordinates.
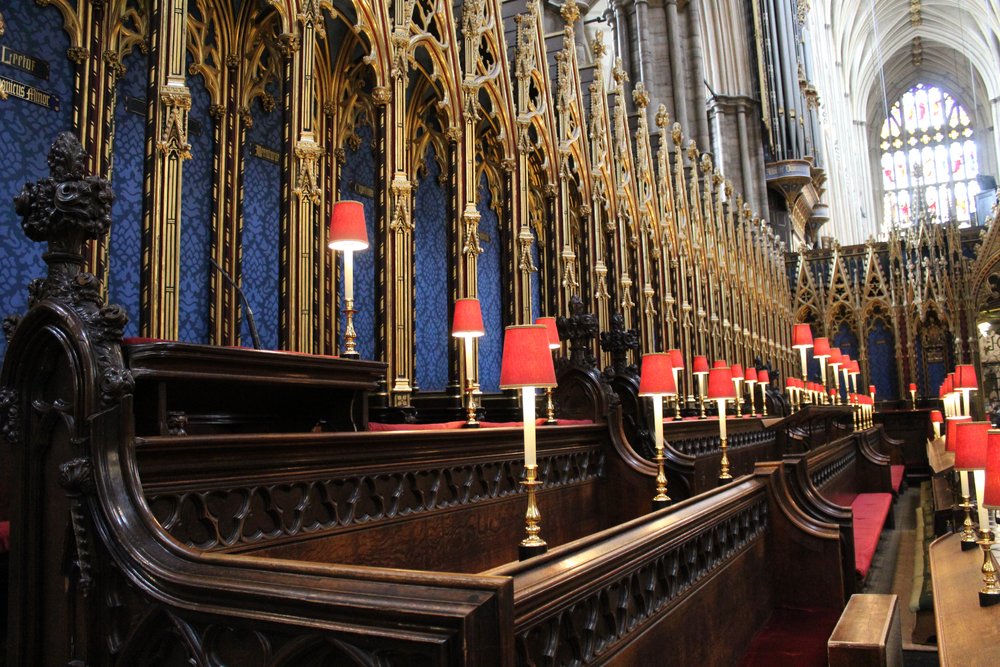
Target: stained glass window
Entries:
(929, 163)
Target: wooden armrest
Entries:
(867, 634)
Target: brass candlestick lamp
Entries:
(657, 381)
(348, 234)
(467, 324)
(550, 326)
(720, 390)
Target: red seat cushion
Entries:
(870, 512)
(379, 426)
(792, 638)
(897, 477)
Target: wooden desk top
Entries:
(968, 635)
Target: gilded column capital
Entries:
(308, 154)
(288, 44)
(381, 95)
(455, 134)
(173, 141)
(78, 54)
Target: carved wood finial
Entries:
(580, 328)
(618, 341)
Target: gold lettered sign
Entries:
(33, 94)
(265, 153)
(363, 190)
(24, 62)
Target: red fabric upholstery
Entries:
(379, 426)
(573, 422)
(486, 424)
(4, 536)
(139, 340)
(897, 477)
(870, 512)
(792, 638)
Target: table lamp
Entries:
(763, 379)
(991, 488)
(835, 361)
(677, 361)
(526, 365)
(550, 325)
(737, 372)
(348, 234)
(656, 380)
(699, 368)
(913, 395)
(468, 325)
(950, 438)
(802, 340)
(750, 377)
(966, 383)
(970, 456)
(720, 389)
(821, 351)
(936, 420)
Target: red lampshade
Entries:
(468, 320)
(737, 371)
(835, 357)
(719, 363)
(855, 368)
(845, 362)
(952, 380)
(527, 361)
(764, 377)
(347, 226)
(966, 377)
(676, 358)
(750, 375)
(833, 392)
(937, 417)
(949, 430)
(970, 445)
(802, 336)
(991, 497)
(720, 383)
(945, 387)
(657, 378)
(699, 365)
(913, 386)
(821, 348)
(790, 382)
(550, 325)
(871, 389)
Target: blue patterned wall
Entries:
(882, 361)
(431, 279)
(196, 222)
(125, 245)
(847, 341)
(536, 279)
(262, 226)
(26, 132)
(359, 170)
(489, 290)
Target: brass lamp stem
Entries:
(350, 335)
(739, 400)
(661, 499)
(550, 408)
(968, 534)
(533, 544)
(763, 399)
(913, 400)
(701, 396)
(724, 464)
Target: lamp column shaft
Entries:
(763, 399)
(470, 400)
(822, 372)
(528, 408)
(738, 399)
(701, 395)
(661, 498)
(966, 402)
(805, 368)
(677, 398)
(724, 464)
(968, 534)
(350, 335)
(836, 385)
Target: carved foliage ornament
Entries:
(64, 210)
(173, 140)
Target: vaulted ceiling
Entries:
(901, 42)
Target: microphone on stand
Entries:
(246, 304)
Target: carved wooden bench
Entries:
(868, 633)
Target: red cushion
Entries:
(792, 638)
(870, 512)
(897, 477)
(379, 426)
(573, 422)
(139, 340)
(486, 424)
(4, 536)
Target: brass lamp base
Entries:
(724, 475)
(661, 499)
(968, 542)
(470, 406)
(533, 544)
(350, 335)
(550, 408)
(989, 594)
